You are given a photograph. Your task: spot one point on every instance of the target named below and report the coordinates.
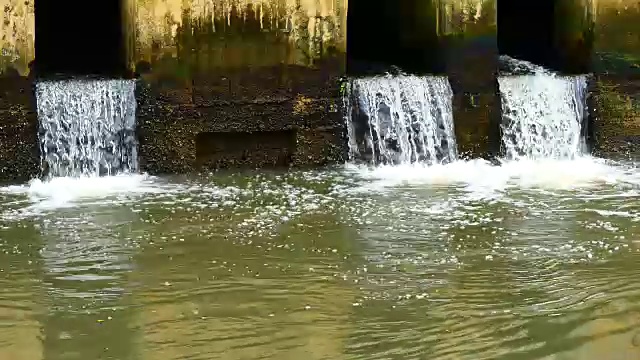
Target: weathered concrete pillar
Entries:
(557, 34)
(468, 34)
(77, 38)
(229, 85)
(388, 33)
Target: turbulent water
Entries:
(458, 261)
(87, 127)
(543, 115)
(412, 259)
(401, 119)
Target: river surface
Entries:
(528, 260)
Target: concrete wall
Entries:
(616, 86)
(260, 73)
(17, 34)
(617, 27)
(18, 123)
(209, 34)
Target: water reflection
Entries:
(20, 305)
(224, 296)
(86, 266)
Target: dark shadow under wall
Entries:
(265, 149)
(390, 35)
(75, 37)
(556, 34)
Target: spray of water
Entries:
(400, 120)
(87, 127)
(543, 115)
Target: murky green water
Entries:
(466, 261)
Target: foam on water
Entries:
(400, 119)
(580, 173)
(543, 142)
(61, 192)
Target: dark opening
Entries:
(219, 150)
(75, 37)
(391, 35)
(552, 33)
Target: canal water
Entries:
(406, 252)
(461, 261)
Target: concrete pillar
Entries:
(468, 34)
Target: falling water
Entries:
(543, 115)
(87, 127)
(400, 119)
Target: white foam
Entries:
(543, 116)
(414, 113)
(482, 176)
(61, 192)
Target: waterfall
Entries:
(400, 120)
(543, 115)
(87, 127)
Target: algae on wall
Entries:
(17, 31)
(205, 34)
(467, 18)
(617, 25)
(574, 33)
(618, 114)
(617, 64)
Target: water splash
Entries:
(543, 114)
(87, 127)
(400, 120)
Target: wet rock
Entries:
(19, 155)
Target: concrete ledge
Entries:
(214, 129)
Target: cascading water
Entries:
(543, 114)
(87, 127)
(400, 119)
